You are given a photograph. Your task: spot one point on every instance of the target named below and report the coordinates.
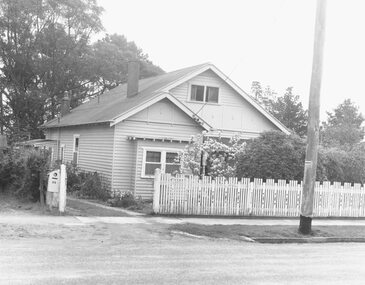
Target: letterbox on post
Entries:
(53, 188)
(54, 181)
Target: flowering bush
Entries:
(219, 153)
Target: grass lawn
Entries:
(238, 232)
(77, 208)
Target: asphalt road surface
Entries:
(100, 253)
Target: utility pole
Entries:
(1, 114)
(305, 225)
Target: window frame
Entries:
(163, 152)
(76, 136)
(204, 94)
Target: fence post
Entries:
(156, 191)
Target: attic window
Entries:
(206, 94)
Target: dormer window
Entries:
(206, 94)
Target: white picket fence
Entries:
(193, 196)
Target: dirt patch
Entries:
(240, 232)
(11, 205)
(49, 231)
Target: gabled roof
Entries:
(114, 103)
(114, 106)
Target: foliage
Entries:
(5, 170)
(278, 156)
(126, 200)
(86, 184)
(354, 169)
(286, 108)
(73, 177)
(109, 62)
(220, 155)
(289, 111)
(343, 127)
(333, 161)
(46, 51)
(273, 155)
(20, 170)
(264, 97)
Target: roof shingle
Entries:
(115, 102)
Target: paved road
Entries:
(148, 253)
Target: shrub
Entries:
(273, 155)
(34, 162)
(20, 170)
(126, 200)
(5, 171)
(74, 179)
(129, 201)
(86, 184)
(354, 166)
(333, 161)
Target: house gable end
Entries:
(233, 112)
(164, 112)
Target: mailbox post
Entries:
(63, 186)
(56, 189)
(53, 189)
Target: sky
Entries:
(270, 41)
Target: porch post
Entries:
(156, 191)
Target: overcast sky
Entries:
(270, 41)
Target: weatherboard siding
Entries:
(144, 186)
(161, 120)
(95, 147)
(232, 113)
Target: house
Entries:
(129, 131)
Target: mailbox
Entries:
(54, 181)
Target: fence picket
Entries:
(193, 196)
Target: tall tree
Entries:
(109, 60)
(43, 46)
(264, 96)
(289, 110)
(343, 127)
(46, 50)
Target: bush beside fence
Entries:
(189, 195)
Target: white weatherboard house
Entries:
(131, 130)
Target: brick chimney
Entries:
(133, 78)
(65, 105)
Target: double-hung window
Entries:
(76, 148)
(206, 94)
(166, 160)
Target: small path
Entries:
(114, 209)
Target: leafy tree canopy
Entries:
(46, 50)
(289, 110)
(343, 127)
(286, 108)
